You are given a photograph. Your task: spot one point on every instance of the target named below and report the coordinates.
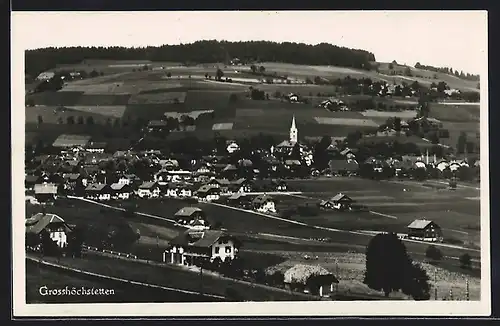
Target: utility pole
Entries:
(337, 275)
(435, 285)
(467, 295)
(201, 279)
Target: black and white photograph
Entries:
(278, 163)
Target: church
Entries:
(286, 146)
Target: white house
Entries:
(56, 227)
(121, 191)
(208, 193)
(232, 147)
(195, 247)
(98, 191)
(264, 204)
(148, 189)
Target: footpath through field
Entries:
(370, 234)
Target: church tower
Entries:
(293, 132)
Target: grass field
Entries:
(171, 276)
(38, 276)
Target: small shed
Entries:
(310, 278)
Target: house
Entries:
(208, 193)
(148, 189)
(424, 230)
(197, 247)
(294, 98)
(241, 185)
(45, 192)
(264, 204)
(222, 184)
(128, 179)
(192, 217)
(343, 167)
(98, 191)
(69, 141)
(232, 147)
(157, 126)
(239, 199)
(341, 202)
(121, 191)
(348, 153)
(51, 224)
(47, 75)
(169, 164)
(96, 147)
(176, 190)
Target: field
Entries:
(175, 277)
(38, 275)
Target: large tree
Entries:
(387, 263)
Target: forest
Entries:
(40, 60)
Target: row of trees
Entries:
(447, 70)
(40, 60)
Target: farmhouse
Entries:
(121, 191)
(222, 184)
(208, 193)
(239, 199)
(196, 247)
(339, 201)
(98, 191)
(45, 192)
(241, 185)
(45, 75)
(192, 217)
(232, 146)
(51, 224)
(424, 230)
(148, 189)
(69, 141)
(264, 204)
(343, 167)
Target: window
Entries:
(228, 249)
(217, 250)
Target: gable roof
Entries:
(40, 221)
(68, 140)
(207, 188)
(260, 199)
(340, 196)
(187, 211)
(419, 224)
(45, 188)
(202, 239)
(147, 185)
(118, 186)
(95, 187)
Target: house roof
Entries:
(301, 273)
(340, 196)
(97, 145)
(118, 186)
(260, 199)
(206, 188)
(419, 224)
(71, 176)
(239, 181)
(201, 239)
(229, 167)
(286, 143)
(95, 187)
(236, 195)
(68, 140)
(221, 181)
(31, 178)
(147, 185)
(187, 211)
(157, 123)
(40, 221)
(292, 162)
(45, 188)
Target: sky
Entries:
(456, 39)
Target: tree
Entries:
(417, 283)
(60, 120)
(465, 261)
(461, 142)
(169, 74)
(116, 123)
(219, 74)
(253, 68)
(70, 120)
(391, 66)
(397, 124)
(387, 263)
(262, 69)
(90, 120)
(93, 74)
(80, 120)
(433, 253)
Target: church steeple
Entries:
(293, 132)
